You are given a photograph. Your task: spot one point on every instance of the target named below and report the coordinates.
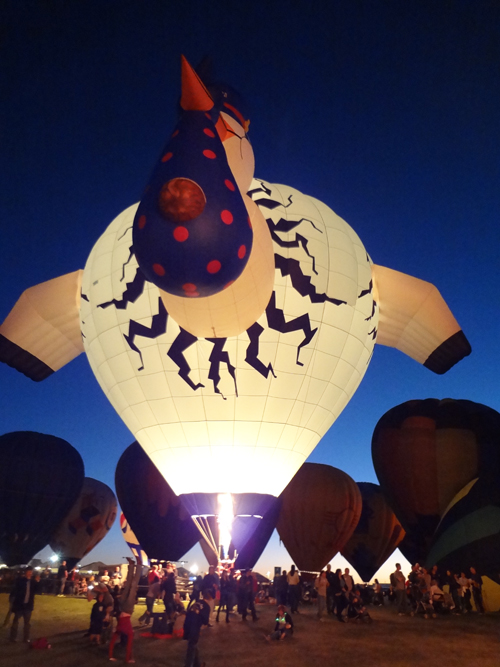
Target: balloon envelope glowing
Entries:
(235, 407)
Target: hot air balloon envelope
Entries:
(377, 534)
(163, 527)
(424, 452)
(320, 510)
(86, 524)
(40, 479)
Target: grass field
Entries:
(464, 641)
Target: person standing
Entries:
(250, 588)
(211, 583)
(62, 575)
(196, 617)
(349, 582)
(104, 578)
(225, 592)
(398, 583)
(477, 589)
(281, 588)
(23, 602)
(293, 581)
(116, 578)
(466, 592)
(321, 585)
(339, 598)
(330, 601)
(455, 590)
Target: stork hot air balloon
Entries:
(132, 541)
(320, 509)
(376, 535)
(86, 524)
(228, 320)
(40, 479)
(469, 532)
(424, 452)
(163, 527)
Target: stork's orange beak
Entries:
(194, 96)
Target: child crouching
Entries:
(284, 625)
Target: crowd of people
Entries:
(228, 592)
(423, 591)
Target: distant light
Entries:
(89, 571)
(90, 588)
(268, 575)
(38, 567)
(193, 569)
(54, 558)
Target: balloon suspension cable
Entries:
(204, 528)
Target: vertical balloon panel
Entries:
(132, 541)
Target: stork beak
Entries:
(194, 96)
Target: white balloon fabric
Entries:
(214, 414)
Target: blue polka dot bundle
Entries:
(192, 234)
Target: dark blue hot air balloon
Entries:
(40, 479)
(155, 514)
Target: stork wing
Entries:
(42, 332)
(415, 319)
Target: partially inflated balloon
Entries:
(424, 452)
(163, 527)
(40, 479)
(377, 534)
(132, 541)
(86, 524)
(320, 510)
(469, 532)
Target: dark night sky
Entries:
(386, 111)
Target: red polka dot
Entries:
(242, 251)
(226, 217)
(228, 284)
(249, 222)
(213, 266)
(208, 115)
(175, 133)
(229, 185)
(166, 157)
(142, 222)
(158, 269)
(209, 154)
(190, 290)
(208, 132)
(181, 234)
